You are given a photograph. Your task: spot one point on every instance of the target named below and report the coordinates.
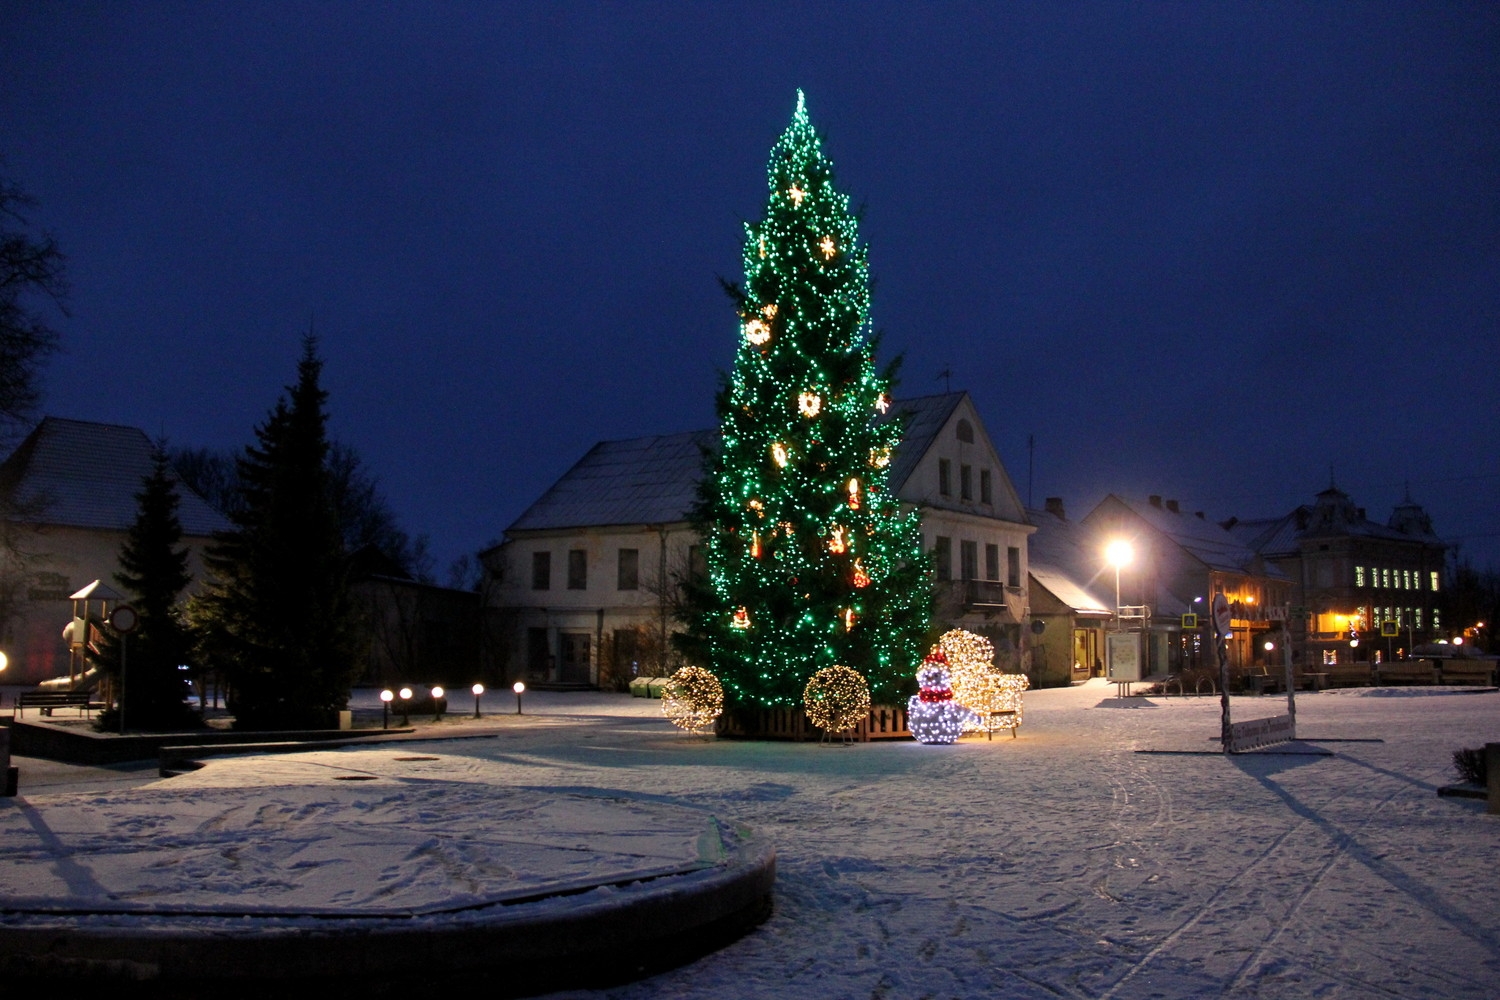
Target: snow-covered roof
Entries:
(648, 480)
(86, 475)
(1062, 557)
(653, 480)
(1333, 515)
(1210, 543)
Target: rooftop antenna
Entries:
(947, 376)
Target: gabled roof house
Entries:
(70, 498)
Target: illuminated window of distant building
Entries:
(1434, 584)
(985, 493)
(1437, 619)
(1359, 576)
(966, 482)
(1330, 657)
(1385, 578)
(945, 477)
(1418, 618)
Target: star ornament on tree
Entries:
(826, 245)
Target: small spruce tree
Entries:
(278, 617)
(811, 559)
(154, 572)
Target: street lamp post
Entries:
(1119, 553)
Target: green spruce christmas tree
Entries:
(154, 572)
(278, 617)
(811, 560)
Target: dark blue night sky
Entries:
(1207, 251)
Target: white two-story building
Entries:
(587, 580)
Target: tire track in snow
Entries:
(1210, 905)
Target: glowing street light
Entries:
(437, 702)
(478, 690)
(405, 695)
(385, 708)
(519, 689)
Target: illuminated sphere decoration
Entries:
(692, 699)
(836, 699)
(932, 715)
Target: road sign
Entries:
(1223, 624)
(1189, 621)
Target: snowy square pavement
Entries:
(1061, 864)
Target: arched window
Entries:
(966, 432)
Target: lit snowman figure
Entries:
(932, 715)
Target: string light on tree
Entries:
(836, 699)
(803, 421)
(692, 699)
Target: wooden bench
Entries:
(1348, 674)
(1259, 680)
(1481, 672)
(1406, 672)
(46, 701)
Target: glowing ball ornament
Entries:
(932, 715)
(757, 332)
(836, 699)
(692, 699)
(809, 404)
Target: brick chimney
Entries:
(1172, 506)
(1055, 508)
(1154, 501)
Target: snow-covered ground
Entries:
(1060, 864)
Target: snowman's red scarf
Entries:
(929, 695)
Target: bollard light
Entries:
(519, 689)
(437, 712)
(478, 690)
(405, 695)
(385, 708)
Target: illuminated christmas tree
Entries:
(811, 560)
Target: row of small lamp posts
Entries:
(404, 695)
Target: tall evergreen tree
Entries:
(154, 572)
(811, 560)
(278, 617)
